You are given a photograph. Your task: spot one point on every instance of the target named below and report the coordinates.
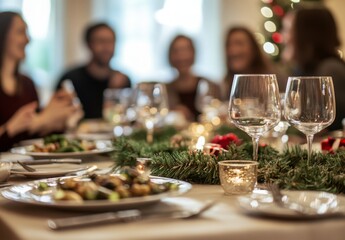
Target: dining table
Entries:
(224, 220)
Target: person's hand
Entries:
(21, 120)
(54, 116)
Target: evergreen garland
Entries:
(288, 169)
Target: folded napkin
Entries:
(330, 145)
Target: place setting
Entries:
(64, 146)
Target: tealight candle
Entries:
(143, 166)
(237, 176)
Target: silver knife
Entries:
(120, 216)
(125, 216)
(47, 161)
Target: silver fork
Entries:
(124, 216)
(278, 199)
(26, 167)
(276, 194)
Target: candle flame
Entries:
(200, 143)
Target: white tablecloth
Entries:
(223, 221)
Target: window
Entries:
(145, 29)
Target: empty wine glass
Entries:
(151, 105)
(115, 105)
(254, 105)
(206, 101)
(309, 105)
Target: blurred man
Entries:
(92, 79)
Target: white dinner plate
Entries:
(102, 146)
(316, 204)
(28, 194)
(49, 170)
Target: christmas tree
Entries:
(273, 12)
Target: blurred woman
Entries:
(244, 56)
(311, 45)
(18, 97)
(182, 90)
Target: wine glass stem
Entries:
(149, 129)
(255, 148)
(309, 142)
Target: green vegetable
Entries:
(42, 186)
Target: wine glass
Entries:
(254, 105)
(151, 105)
(206, 101)
(309, 105)
(115, 105)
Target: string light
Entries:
(268, 47)
(270, 26)
(266, 12)
(260, 38)
(277, 37)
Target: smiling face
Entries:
(239, 52)
(102, 45)
(17, 39)
(182, 55)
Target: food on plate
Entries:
(129, 183)
(59, 143)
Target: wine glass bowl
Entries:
(254, 105)
(310, 105)
(151, 105)
(115, 105)
(207, 102)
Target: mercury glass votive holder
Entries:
(238, 176)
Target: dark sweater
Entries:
(89, 90)
(10, 104)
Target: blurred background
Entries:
(144, 30)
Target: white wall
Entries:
(76, 16)
(241, 12)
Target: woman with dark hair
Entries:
(183, 89)
(18, 97)
(312, 42)
(244, 56)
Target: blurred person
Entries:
(18, 97)
(244, 56)
(92, 79)
(311, 46)
(182, 90)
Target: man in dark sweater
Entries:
(92, 79)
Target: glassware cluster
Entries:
(254, 106)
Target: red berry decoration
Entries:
(326, 145)
(225, 140)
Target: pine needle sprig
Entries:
(289, 169)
